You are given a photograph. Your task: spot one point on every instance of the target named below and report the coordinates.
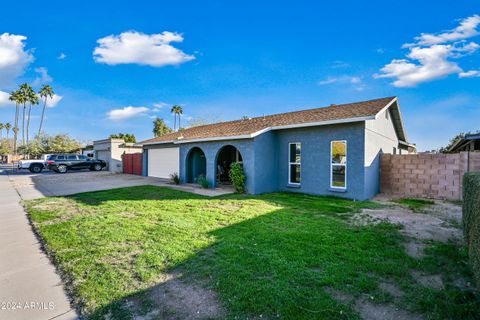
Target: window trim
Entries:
(331, 165)
(296, 163)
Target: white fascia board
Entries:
(244, 136)
(399, 114)
(407, 143)
(401, 121)
(322, 123)
(386, 107)
(158, 142)
(259, 132)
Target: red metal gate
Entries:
(132, 163)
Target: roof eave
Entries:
(157, 142)
(403, 133)
(259, 132)
(407, 143)
(323, 123)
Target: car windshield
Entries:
(51, 157)
(82, 157)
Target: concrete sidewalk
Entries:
(29, 286)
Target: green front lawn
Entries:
(275, 255)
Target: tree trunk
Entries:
(23, 123)
(15, 132)
(28, 120)
(41, 119)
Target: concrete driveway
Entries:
(48, 183)
(30, 288)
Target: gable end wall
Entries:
(380, 138)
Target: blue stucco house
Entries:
(333, 150)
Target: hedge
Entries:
(471, 220)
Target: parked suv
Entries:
(61, 163)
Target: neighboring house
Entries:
(470, 142)
(326, 151)
(88, 151)
(111, 151)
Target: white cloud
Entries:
(433, 64)
(126, 113)
(139, 48)
(339, 64)
(466, 29)
(430, 58)
(54, 100)
(61, 56)
(159, 105)
(13, 57)
(356, 82)
(328, 80)
(469, 74)
(4, 101)
(43, 77)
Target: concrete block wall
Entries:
(436, 176)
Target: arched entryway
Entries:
(196, 164)
(225, 157)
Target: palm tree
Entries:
(1, 129)
(174, 118)
(177, 111)
(33, 100)
(15, 96)
(45, 92)
(23, 99)
(8, 126)
(15, 135)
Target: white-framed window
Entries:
(294, 162)
(338, 164)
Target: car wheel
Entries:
(97, 167)
(36, 168)
(62, 168)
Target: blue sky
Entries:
(117, 64)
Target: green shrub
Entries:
(175, 178)
(471, 220)
(237, 177)
(201, 180)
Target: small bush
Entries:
(471, 220)
(237, 177)
(201, 180)
(175, 178)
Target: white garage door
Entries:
(105, 156)
(163, 162)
